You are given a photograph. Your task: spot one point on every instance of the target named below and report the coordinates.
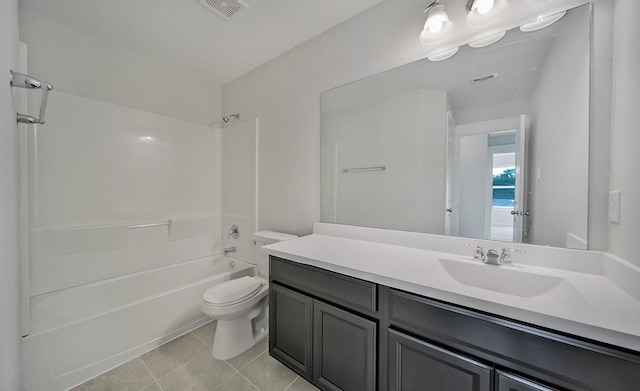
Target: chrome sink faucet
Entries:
(505, 256)
(491, 256)
(479, 255)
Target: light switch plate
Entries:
(614, 207)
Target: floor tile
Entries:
(243, 359)
(236, 383)
(204, 373)
(302, 385)
(151, 387)
(268, 374)
(173, 354)
(130, 376)
(206, 332)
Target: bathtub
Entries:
(80, 332)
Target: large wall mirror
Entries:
(491, 143)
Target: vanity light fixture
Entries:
(542, 22)
(437, 25)
(443, 55)
(482, 12)
(488, 40)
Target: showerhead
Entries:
(228, 118)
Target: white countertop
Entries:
(587, 304)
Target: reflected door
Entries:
(487, 180)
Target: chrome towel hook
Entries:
(20, 80)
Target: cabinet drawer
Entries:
(568, 362)
(418, 365)
(510, 382)
(337, 288)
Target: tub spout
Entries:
(229, 250)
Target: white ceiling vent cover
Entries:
(481, 79)
(224, 8)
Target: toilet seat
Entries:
(233, 292)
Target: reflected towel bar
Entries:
(358, 169)
(168, 222)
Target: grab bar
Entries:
(358, 169)
(20, 80)
(168, 222)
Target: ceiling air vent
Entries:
(481, 79)
(224, 8)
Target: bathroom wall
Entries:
(84, 65)
(239, 192)
(373, 134)
(625, 141)
(10, 368)
(285, 92)
(559, 141)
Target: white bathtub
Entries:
(80, 332)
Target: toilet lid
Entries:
(233, 291)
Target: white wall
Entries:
(472, 183)
(285, 94)
(239, 192)
(10, 371)
(559, 140)
(409, 194)
(625, 142)
(84, 65)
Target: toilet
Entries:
(240, 305)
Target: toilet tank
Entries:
(262, 238)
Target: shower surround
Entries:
(123, 224)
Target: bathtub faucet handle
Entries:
(233, 233)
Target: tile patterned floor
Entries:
(186, 364)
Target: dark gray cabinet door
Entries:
(290, 326)
(510, 382)
(344, 350)
(415, 365)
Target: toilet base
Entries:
(235, 336)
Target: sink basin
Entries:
(508, 280)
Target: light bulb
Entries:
(436, 19)
(483, 6)
(486, 11)
(435, 25)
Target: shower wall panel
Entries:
(98, 170)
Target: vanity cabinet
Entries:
(343, 333)
(317, 326)
(544, 359)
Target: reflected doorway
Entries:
(486, 181)
(503, 195)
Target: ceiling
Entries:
(188, 36)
